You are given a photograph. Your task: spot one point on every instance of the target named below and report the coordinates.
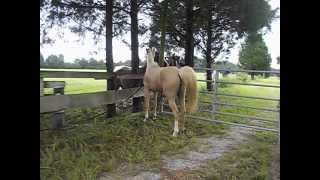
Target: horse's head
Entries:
(151, 54)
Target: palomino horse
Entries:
(171, 82)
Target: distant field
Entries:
(79, 85)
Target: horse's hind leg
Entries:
(161, 103)
(175, 112)
(146, 93)
(155, 105)
(182, 107)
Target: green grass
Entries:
(79, 85)
(97, 146)
(250, 160)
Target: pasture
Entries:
(98, 145)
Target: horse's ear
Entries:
(153, 51)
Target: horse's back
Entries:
(188, 74)
(170, 80)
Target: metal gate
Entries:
(216, 102)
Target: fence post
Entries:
(58, 90)
(57, 118)
(215, 91)
(41, 86)
(278, 107)
(137, 101)
(111, 108)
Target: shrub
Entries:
(242, 77)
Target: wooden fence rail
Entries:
(60, 102)
(73, 74)
(83, 74)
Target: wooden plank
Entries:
(54, 103)
(131, 76)
(53, 84)
(74, 74)
(60, 102)
(83, 74)
(91, 99)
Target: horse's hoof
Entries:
(175, 134)
(154, 117)
(145, 119)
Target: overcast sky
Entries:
(72, 49)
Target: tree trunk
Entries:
(189, 46)
(163, 20)
(111, 108)
(136, 102)
(209, 48)
(134, 36)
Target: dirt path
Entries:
(174, 166)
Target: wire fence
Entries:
(214, 104)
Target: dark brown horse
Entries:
(124, 83)
(173, 60)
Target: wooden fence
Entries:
(86, 100)
(58, 102)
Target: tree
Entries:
(226, 66)
(199, 62)
(42, 62)
(189, 44)
(163, 29)
(101, 64)
(134, 35)
(92, 63)
(222, 22)
(254, 54)
(211, 26)
(82, 63)
(54, 61)
(61, 58)
(106, 17)
(135, 6)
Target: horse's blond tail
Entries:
(189, 79)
